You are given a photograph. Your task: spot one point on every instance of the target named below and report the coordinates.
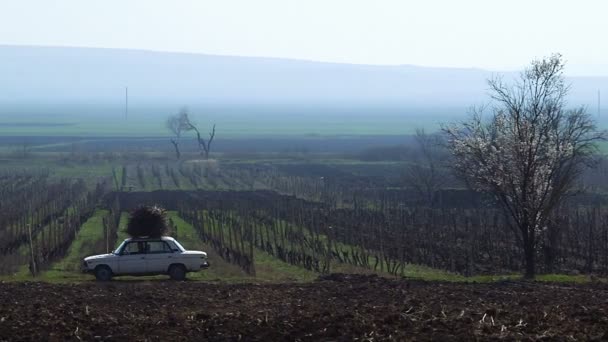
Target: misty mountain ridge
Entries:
(64, 75)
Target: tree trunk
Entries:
(176, 146)
(530, 259)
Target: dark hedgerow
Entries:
(149, 221)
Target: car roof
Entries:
(163, 238)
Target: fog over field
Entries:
(62, 75)
(81, 91)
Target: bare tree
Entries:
(178, 124)
(204, 146)
(425, 175)
(531, 151)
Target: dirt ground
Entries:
(338, 307)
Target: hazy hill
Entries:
(98, 76)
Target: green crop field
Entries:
(150, 122)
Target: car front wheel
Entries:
(177, 272)
(103, 273)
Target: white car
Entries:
(146, 256)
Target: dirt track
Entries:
(338, 308)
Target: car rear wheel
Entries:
(177, 272)
(103, 273)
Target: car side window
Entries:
(155, 247)
(135, 247)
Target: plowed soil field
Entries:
(334, 308)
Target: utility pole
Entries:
(126, 103)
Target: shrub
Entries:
(150, 221)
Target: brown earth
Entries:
(338, 307)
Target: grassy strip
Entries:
(422, 272)
(431, 274)
(67, 270)
(219, 270)
(24, 250)
(270, 268)
(89, 235)
(335, 265)
(267, 267)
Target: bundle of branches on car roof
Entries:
(148, 221)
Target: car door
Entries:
(132, 259)
(158, 256)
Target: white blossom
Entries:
(530, 150)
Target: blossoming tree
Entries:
(529, 152)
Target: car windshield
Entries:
(181, 248)
(119, 248)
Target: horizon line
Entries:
(181, 52)
(290, 59)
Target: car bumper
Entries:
(205, 265)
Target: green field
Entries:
(246, 123)
(232, 121)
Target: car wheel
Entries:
(103, 273)
(177, 272)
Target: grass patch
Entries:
(219, 270)
(270, 268)
(431, 274)
(267, 267)
(565, 278)
(89, 236)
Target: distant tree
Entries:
(426, 174)
(204, 145)
(529, 153)
(26, 149)
(178, 124)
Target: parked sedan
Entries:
(146, 256)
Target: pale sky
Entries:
(489, 34)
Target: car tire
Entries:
(103, 273)
(177, 272)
